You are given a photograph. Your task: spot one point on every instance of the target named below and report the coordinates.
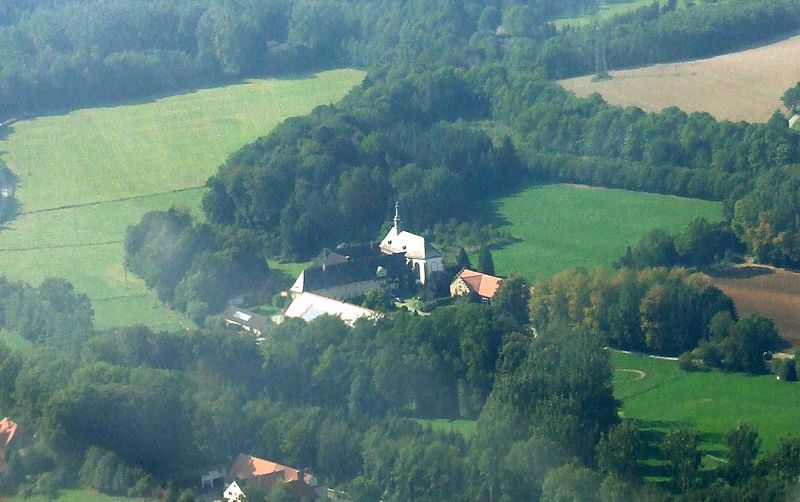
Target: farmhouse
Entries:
(309, 306)
(246, 320)
(470, 282)
(300, 483)
(420, 254)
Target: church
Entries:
(353, 270)
(420, 254)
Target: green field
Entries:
(659, 395)
(608, 11)
(464, 427)
(87, 175)
(567, 226)
(75, 496)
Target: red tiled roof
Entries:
(7, 431)
(247, 466)
(484, 285)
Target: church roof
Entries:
(332, 270)
(414, 246)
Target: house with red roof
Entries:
(470, 282)
(301, 484)
(8, 430)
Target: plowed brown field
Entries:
(767, 291)
(745, 85)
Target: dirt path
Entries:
(639, 373)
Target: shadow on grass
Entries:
(487, 212)
(179, 90)
(713, 442)
(281, 277)
(654, 466)
(9, 205)
(6, 128)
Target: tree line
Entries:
(661, 32)
(64, 54)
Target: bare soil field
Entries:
(767, 291)
(745, 85)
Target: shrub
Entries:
(686, 361)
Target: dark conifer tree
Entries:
(462, 261)
(485, 261)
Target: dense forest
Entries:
(457, 109)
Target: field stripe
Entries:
(111, 201)
(62, 246)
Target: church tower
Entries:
(398, 223)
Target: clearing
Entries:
(745, 85)
(76, 495)
(769, 291)
(87, 175)
(608, 11)
(713, 402)
(566, 226)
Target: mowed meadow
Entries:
(87, 175)
(658, 395)
(566, 226)
(745, 85)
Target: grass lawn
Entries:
(659, 395)
(291, 269)
(566, 226)
(464, 427)
(87, 175)
(75, 496)
(609, 11)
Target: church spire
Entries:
(398, 223)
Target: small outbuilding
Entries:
(246, 320)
